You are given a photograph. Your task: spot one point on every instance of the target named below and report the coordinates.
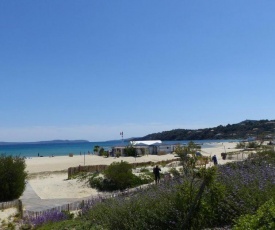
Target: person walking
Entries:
(214, 159)
(156, 172)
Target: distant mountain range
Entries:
(45, 142)
(261, 129)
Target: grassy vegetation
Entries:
(264, 218)
(228, 195)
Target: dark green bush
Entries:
(120, 173)
(174, 172)
(101, 152)
(263, 219)
(240, 145)
(102, 184)
(253, 145)
(130, 151)
(144, 170)
(118, 176)
(12, 177)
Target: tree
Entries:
(12, 177)
(188, 157)
(101, 152)
(130, 151)
(196, 180)
(96, 148)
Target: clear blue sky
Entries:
(90, 69)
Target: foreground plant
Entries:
(263, 219)
(181, 203)
(50, 216)
(12, 177)
(249, 184)
(118, 176)
(198, 199)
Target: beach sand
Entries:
(62, 163)
(48, 175)
(49, 179)
(7, 216)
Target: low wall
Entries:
(99, 168)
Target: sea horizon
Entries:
(63, 148)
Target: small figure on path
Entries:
(214, 159)
(156, 171)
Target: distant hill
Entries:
(261, 129)
(45, 142)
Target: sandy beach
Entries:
(48, 176)
(49, 179)
(62, 163)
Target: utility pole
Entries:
(121, 134)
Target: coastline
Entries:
(48, 176)
(30, 150)
(62, 163)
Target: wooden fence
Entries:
(9, 204)
(238, 156)
(90, 201)
(13, 204)
(77, 205)
(81, 204)
(99, 168)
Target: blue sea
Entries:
(63, 149)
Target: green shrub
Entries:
(102, 184)
(174, 172)
(165, 206)
(75, 224)
(130, 151)
(263, 219)
(202, 199)
(118, 176)
(144, 170)
(12, 177)
(101, 152)
(253, 145)
(240, 145)
(120, 173)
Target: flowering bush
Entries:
(197, 201)
(249, 184)
(50, 216)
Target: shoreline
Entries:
(64, 149)
(48, 176)
(62, 163)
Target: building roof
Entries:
(145, 142)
